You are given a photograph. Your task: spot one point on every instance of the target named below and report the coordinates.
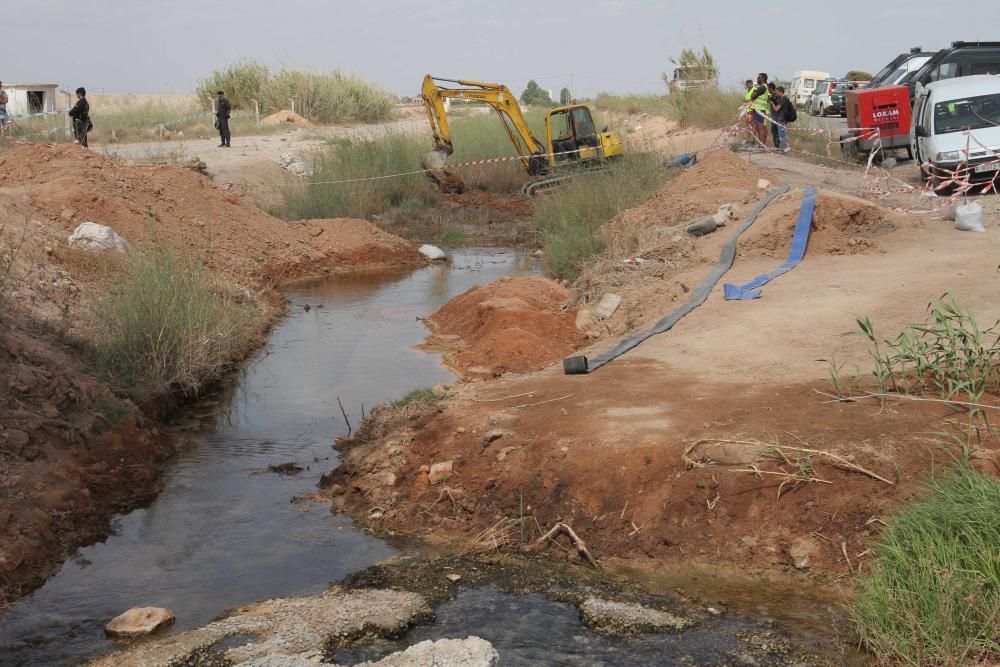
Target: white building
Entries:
(28, 98)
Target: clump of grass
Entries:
(165, 327)
(353, 159)
(324, 97)
(932, 596)
(422, 395)
(949, 354)
(452, 237)
(707, 108)
(570, 217)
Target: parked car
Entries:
(838, 98)
(943, 112)
(820, 100)
(961, 60)
(803, 84)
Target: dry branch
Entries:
(543, 541)
(493, 538)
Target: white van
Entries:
(942, 113)
(803, 84)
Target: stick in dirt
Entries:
(540, 544)
(346, 420)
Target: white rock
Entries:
(608, 305)
(763, 184)
(92, 236)
(469, 652)
(439, 472)
(432, 252)
(281, 661)
(139, 621)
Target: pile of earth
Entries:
(184, 209)
(511, 325)
(289, 118)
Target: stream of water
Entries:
(223, 532)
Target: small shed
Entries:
(24, 99)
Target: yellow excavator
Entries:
(571, 137)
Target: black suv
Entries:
(838, 100)
(962, 59)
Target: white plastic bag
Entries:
(969, 217)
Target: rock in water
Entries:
(139, 621)
(92, 236)
(624, 618)
(469, 652)
(432, 252)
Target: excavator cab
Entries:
(571, 136)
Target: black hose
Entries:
(581, 365)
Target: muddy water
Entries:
(223, 532)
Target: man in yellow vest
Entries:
(759, 108)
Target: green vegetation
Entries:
(423, 395)
(324, 97)
(349, 159)
(571, 216)
(164, 327)
(949, 355)
(482, 136)
(452, 237)
(708, 108)
(534, 94)
(932, 595)
(858, 75)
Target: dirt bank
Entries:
(708, 443)
(73, 452)
(511, 325)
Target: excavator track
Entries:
(542, 185)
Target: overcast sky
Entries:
(614, 45)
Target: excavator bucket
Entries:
(446, 181)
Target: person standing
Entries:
(3, 110)
(747, 97)
(222, 113)
(783, 113)
(758, 103)
(81, 117)
(772, 94)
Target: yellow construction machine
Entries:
(571, 137)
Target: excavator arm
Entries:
(496, 95)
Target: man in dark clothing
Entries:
(222, 112)
(81, 117)
(782, 112)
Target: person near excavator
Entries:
(80, 114)
(223, 111)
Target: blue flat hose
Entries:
(800, 239)
(581, 365)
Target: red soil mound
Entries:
(176, 204)
(512, 324)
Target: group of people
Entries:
(768, 101)
(82, 125)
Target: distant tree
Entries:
(534, 94)
(693, 66)
(565, 96)
(858, 75)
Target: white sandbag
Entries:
(432, 252)
(969, 217)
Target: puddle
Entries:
(222, 533)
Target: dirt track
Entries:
(611, 452)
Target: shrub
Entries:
(631, 104)
(164, 326)
(347, 159)
(569, 218)
(423, 395)
(932, 596)
(483, 136)
(708, 108)
(242, 82)
(325, 97)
